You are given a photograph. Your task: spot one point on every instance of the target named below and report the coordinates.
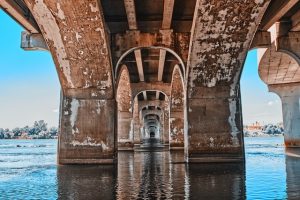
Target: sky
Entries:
(30, 89)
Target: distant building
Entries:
(254, 127)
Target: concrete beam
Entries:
(145, 95)
(167, 14)
(157, 95)
(18, 10)
(262, 39)
(139, 63)
(157, 103)
(161, 64)
(33, 41)
(131, 14)
(154, 86)
(178, 42)
(276, 13)
(296, 21)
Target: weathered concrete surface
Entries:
(176, 111)
(177, 42)
(125, 127)
(290, 98)
(166, 123)
(87, 128)
(278, 67)
(220, 37)
(157, 86)
(136, 123)
(77, 40)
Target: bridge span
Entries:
(168, 69)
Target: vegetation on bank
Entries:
(266, 130)
(39, 130)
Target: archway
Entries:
(281, 72)
(151, 102)
(123, 98)
(177, 111)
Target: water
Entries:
(28, 170)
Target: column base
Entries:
(216, 158)
(295, 143)
(86, 161)
(176, 146)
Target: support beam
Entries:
(139, 63)
(157, 95)
(262, 39)
(167, 15)
(161, 64)
(33, 41)
(274, 15)
(18, 10)
(145, 95)
(131, 15)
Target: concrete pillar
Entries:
(214, 126)
(176, 130)
(87, 130)
(136, 124)
(289, 94)
(166, 130)
(125, 135)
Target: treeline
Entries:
(39, 130)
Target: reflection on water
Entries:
(292, 161)
(151, 175)
(29, 172)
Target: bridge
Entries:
(169, 69)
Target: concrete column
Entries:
(289, 94)
(214, 126)
(166, 130)
(87, 130)
(176, 130)
(136, 124)
(125, 135)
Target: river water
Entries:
(28, 170)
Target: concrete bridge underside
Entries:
(168, 69)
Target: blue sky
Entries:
(29, 86)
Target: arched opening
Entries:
(29, 88)
(281, 72)
(123, 98)
(177, 111)
(151, 116)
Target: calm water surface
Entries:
(28, 170)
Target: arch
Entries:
(150, 47)
(279, 67)
(143, 90)
(176, 119)
(124, 114)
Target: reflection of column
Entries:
(289, 94)
(86, 182)
(210, 182)
(292, 161)
(125, 137)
